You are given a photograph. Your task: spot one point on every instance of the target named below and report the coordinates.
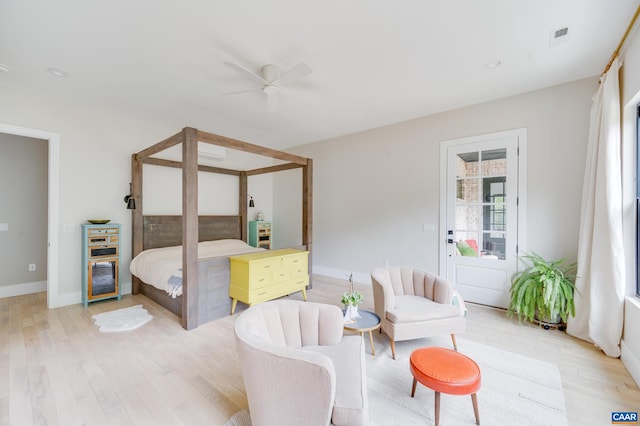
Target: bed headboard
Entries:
(165, 231)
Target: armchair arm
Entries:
(286, 385)
(383, 295)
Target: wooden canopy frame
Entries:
(189, 138)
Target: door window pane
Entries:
(481, 198)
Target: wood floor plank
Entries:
(57, 368)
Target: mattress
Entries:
(162, 267)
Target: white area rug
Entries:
(516, 390)
(122, 319)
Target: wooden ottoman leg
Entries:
(437, 414)
(474, 400)
(413, 388)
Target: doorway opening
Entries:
(53, 191)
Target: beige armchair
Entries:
(412, 304)
(297, 366)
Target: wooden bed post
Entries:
(189, 228)
(307, 213)
(243, 205)
(136, 216)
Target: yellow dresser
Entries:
(267, 275)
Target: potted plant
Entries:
(351, 299)
(543, 292)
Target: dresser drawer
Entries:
(255, 295)
(295, 285)
(297, 265)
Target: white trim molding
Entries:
(22, 289)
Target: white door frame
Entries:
(53, 203)
(521, 134)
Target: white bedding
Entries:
(162, 267)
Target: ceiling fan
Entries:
(271, 80)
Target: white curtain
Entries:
(600, 277)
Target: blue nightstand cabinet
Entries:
(100, 262)
(260, 234)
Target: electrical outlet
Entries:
(4, 226)
(32, 267)
(69, 228)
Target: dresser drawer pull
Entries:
(261, 279)
(267, 266)
(262, 294)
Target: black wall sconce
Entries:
(131, 202)
(251, 203)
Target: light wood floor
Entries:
(56, 368)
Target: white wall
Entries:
(95, 170)
(373, 190)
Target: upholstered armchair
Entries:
(412, 304)
(297, 366)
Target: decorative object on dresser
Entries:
(203, 279)
(100, 262)
(260, 234)
(267, 275)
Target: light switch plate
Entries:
(4, 226)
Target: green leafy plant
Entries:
(354, 298)
(351, 297)
(544, 290)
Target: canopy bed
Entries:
(204, 282)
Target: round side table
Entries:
(368, 321)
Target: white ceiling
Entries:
(375, 62)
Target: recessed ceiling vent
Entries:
(559, 36)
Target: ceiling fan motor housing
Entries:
(270, 73)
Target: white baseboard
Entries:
(358, 277)
(76, 297)
(630, 361)
(21, 289)
(68, 299)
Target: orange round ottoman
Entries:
(447, 371)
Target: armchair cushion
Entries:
(417, 308)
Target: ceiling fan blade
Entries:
(296, 73)
(242, 91)
(272, 102)
(246, 72)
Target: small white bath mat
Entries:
(122, 319)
